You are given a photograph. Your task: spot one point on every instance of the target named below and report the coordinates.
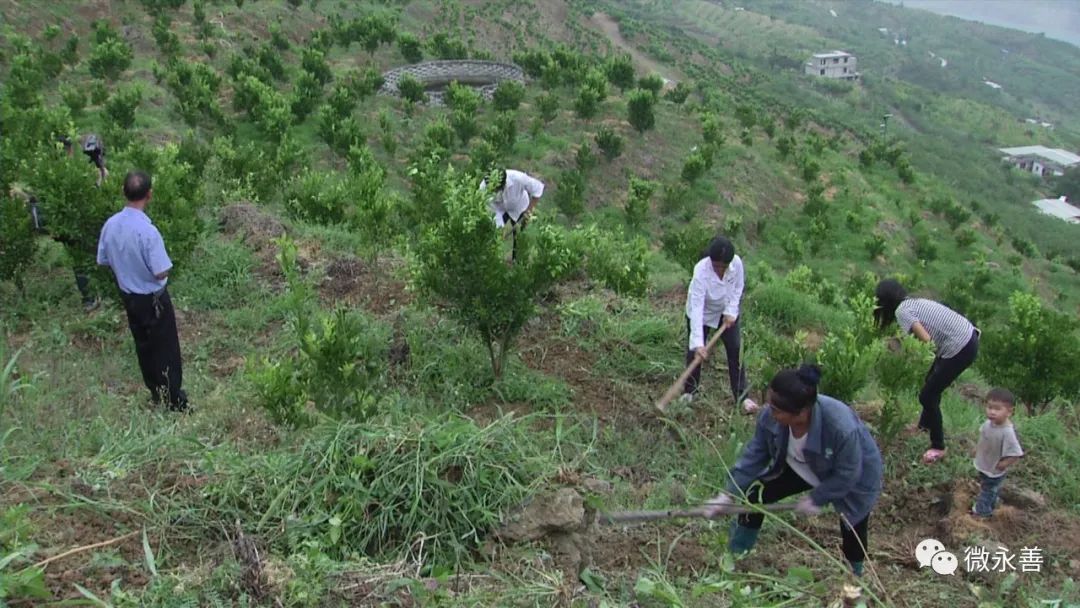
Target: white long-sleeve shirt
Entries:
(709, 297)
(515, 196)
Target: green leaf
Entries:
(148, 554)
(801, 573)
(593, 582)
(644, 587)
(90, 596)
(335, 530)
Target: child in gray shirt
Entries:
(997, 450)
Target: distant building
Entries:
(834, 64)
(1058, 208)
(1040, 160)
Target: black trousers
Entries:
(513, 234)
(853, 539)
(82, 283)
(152, 321)
(736, 373)
(943, 372)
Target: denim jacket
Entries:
(839, 450)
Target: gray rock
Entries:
(596, 486)
(561, 511)
(1022, 498)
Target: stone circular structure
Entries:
(484, 76)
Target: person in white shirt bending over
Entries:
(516, 194)
(712, 303)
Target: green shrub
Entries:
(925, 246)
(1033, 353)
(694, 167)
(903, 365)
(439, 133)
(178, 200)
(678, 94)
(463, 98)
(508, 95)
(620, 71)
(502, 132)
(614, 260)
(874, 245)
(548, 106)
(70, 52)
(652, 83)
(338, 365)
(364, 84)
(464, 124)
(122, 105)
(637, 202)
(712, 129)
(110, 58)
(609, 142)
(342, 100)
(489, 296)
(412, 90)
(24, 81)
(639, 108)
(16, 241)
(409, 46)
(587, 103)
(306, 95)
(685, 244)
(848, 356)
(71, 202)
(570, 193)
(443, 46)
(317, 196)
(74, 99)
(965, 237)
(313, 61)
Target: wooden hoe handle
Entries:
(677, 386)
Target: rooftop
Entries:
(1057, 207)
(1057, 155)
(829, 54)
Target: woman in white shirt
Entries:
(712, 303)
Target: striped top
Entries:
(949, 330)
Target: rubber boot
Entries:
(856, 568)
(742, 538)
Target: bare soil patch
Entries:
(370, 284)
(610, 28)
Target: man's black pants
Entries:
(853, 538)
(153, 326)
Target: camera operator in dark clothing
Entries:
(93, 148)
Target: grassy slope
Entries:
(90, 470)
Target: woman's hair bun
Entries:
(809, 373)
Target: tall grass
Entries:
(430, 487)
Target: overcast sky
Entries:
(1058, 19)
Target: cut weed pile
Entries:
(395, 404)
(427, 486)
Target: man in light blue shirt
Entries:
(133, 248)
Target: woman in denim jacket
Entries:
(806, 442)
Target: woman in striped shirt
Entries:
(956, 344)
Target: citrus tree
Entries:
(460, 261)
(1034, 353)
